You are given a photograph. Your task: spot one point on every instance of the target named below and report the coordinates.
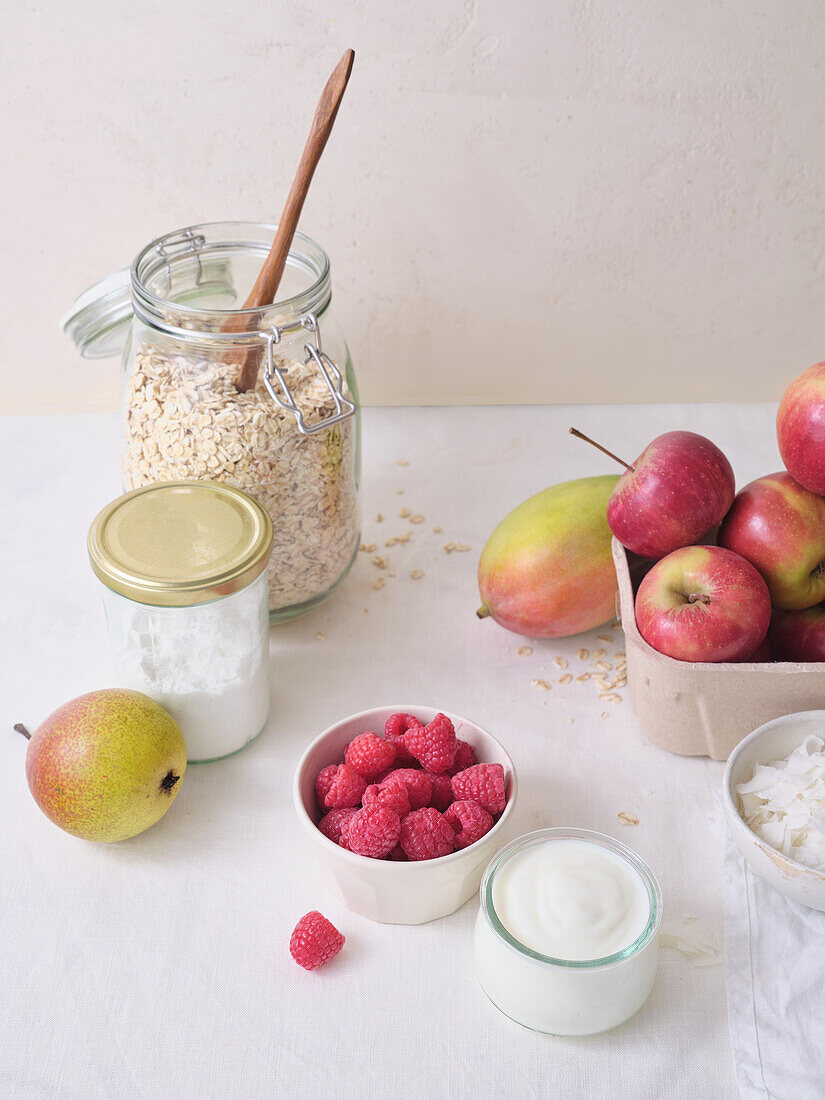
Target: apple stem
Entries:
(484, 612)
(599, 447)
(20, 728)
(696, 597)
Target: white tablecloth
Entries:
(160, 965)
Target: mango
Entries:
(547, 569)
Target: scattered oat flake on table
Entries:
(367, 549)
(404, 512)
(583, 654)
(598, 654)
(571, 720)
(628, 818)
(603, 666)
(560, 662)
(455, 547)
(403, 462)
(379, 518)
(524, 650)
(604, 637)
(605, 714)
(584, 676)
(416, 519)
(610, 697)
(320, 635)
(540, 684)
(621, 655)
(437, 530)
(378, 583)
(380, 562)
(566, 678)
(417, 574)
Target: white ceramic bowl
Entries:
(773, 741)
(383, 890)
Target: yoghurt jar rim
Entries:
(651, 884)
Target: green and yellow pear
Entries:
(106, 765)
(547, 569)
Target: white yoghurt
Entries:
(571, 899)
(577, 898)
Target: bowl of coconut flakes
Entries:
(774, 801)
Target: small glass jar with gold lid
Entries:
(183, 564)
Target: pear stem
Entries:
(484, 613)
(599, 447)
(20, 728)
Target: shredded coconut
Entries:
(784, 803)
(693, 940)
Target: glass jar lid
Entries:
(98, 322)
(180, 543)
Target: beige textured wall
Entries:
(572, 201)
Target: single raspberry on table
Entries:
(392, 793)
(373, 831)
(332, 824)
(469, 821)
(426, 835)
(394, 728)
(346, 789)
(419, 785)
(370, 755)
(465, 757)
(433, 745)
(442, 794)
(323, 782)
(314, 941)
(482, 783)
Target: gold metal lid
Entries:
(179, 543)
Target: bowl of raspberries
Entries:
(404, 807)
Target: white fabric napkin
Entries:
(775, 971)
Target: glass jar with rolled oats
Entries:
(291, 440)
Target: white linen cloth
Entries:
(775, 961)
(160, 965)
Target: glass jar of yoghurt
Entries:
(567, 936)
(291, 439)
(183, 565)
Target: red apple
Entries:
(761, 655)
(703, 603)
(679, 487)
(780, 528)
(800, 428)
(799, 635)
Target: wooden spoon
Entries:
(266, 285)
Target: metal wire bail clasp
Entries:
(344, 408)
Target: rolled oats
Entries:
(186, 419)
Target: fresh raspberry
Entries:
(442, 794)
(373, 831)
(395, 728)
(482, 783)
(323, 782)
(314, 941)
(419, 785)
(392, 793)
(332, 824)
(465, 757)
(469, 822)
(370, 755)
(433, 745)
(398, 855)
(426, 835)
(346, 789)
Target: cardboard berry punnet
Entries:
(700, 708)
